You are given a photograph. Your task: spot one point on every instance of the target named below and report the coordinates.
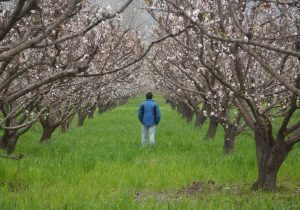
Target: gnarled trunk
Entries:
(47, 132)
(5, 139)
(186, 112)
(212, 129)
(11, 146)
(82, 114)
(229, 138)
(92, 111)
(100, 105)
(65, 125)
(180, 109)
(10, 138)
(189, 115)
(4, 142)
(200, 119)
(48, 128)
(9, 141)
(172, 104)
(270, 160)
(270, 156)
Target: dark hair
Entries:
(149, 95)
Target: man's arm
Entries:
(141, 113)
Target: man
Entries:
(149, 115)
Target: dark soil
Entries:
(194, 189)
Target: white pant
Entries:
(151, 134)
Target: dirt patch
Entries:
(198, 189)
(194, 189)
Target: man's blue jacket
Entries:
(149, 113)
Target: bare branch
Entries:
(88, 28)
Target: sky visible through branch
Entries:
(135, 16)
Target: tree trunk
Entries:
(104, 107)
(47, 132)
(229, 138)
(180, 109)
(81, 117)
(65, 125)
(92, 111)
(100, 111)
(4, 142)
(172, 104)
(270, 157)
(11, 146)
(9, 140)
(186, 112)
(212, 129)
(189, 115)
(200, 119)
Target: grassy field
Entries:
(103, 166)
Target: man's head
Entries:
(149, 95)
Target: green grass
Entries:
(103, 166)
